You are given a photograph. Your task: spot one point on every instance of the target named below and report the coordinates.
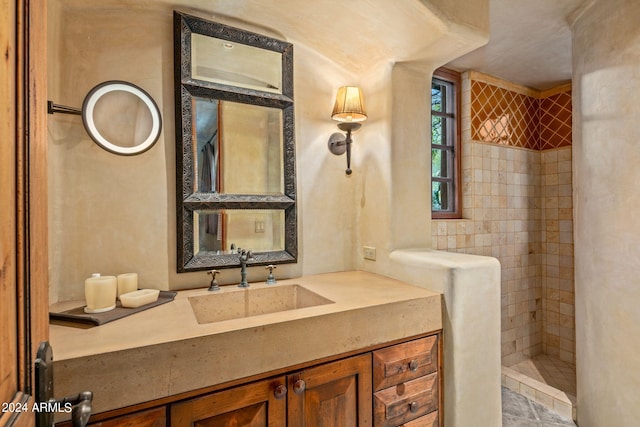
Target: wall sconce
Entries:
(348, 111)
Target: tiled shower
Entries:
(517, 207)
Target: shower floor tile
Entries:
(549, 370)
(518, 411)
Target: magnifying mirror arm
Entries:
(57, 108)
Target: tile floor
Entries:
(549, 370)
(545, 380)
(518, 411)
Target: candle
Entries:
(127, 282)
(100, 294)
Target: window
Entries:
(445, 145)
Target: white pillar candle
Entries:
(127, 282)
(100, 294)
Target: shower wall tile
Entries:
(505, 221)
(557, 268)
(517, 205)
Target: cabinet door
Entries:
(333, 395)
(253, 405)
(151, 418)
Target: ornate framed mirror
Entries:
(235, 158)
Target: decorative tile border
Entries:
(503, 116)
(555, 121)
(508, 114)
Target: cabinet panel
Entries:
(406, 401)
(253, 405)
(151, 418)
(334, 394)
(429, 420)
(156, 417)
(405, 361)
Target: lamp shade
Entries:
(349, 105)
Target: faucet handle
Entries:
(245, 255)
(214, 283)
(271, 280)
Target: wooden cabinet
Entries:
(259, 404)
(390, 386)
(406, 384)
(334, 394)
(156, 417)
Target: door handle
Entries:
(80, 403)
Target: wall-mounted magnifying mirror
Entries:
(118, 116)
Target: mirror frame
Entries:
(105, 88)
(188, 201)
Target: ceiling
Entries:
(530, 42)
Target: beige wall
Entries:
(113, 214)
(606, 63)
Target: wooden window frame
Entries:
(453, 77)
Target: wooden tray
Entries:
(77, 315)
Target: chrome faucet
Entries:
(244, 257)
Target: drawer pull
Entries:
(299, 387)
(413, 365)
(280, 391)
(413, 407)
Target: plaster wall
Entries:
(471, 328)
(606, 64)
(113, 214)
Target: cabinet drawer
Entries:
(429, 420)
(406, 401)
(403, 362)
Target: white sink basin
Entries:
(238, 303)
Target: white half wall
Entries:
(471, 329)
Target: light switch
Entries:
(370, 253)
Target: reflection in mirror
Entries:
(239, 148)
(221, 231)
(235, 64)
(207, 145)
(122, 118)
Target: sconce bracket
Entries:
(337, 143)
(349, 126)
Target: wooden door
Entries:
(23, 203)
(335, 394)
(260, 404)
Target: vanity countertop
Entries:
(164, 351)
